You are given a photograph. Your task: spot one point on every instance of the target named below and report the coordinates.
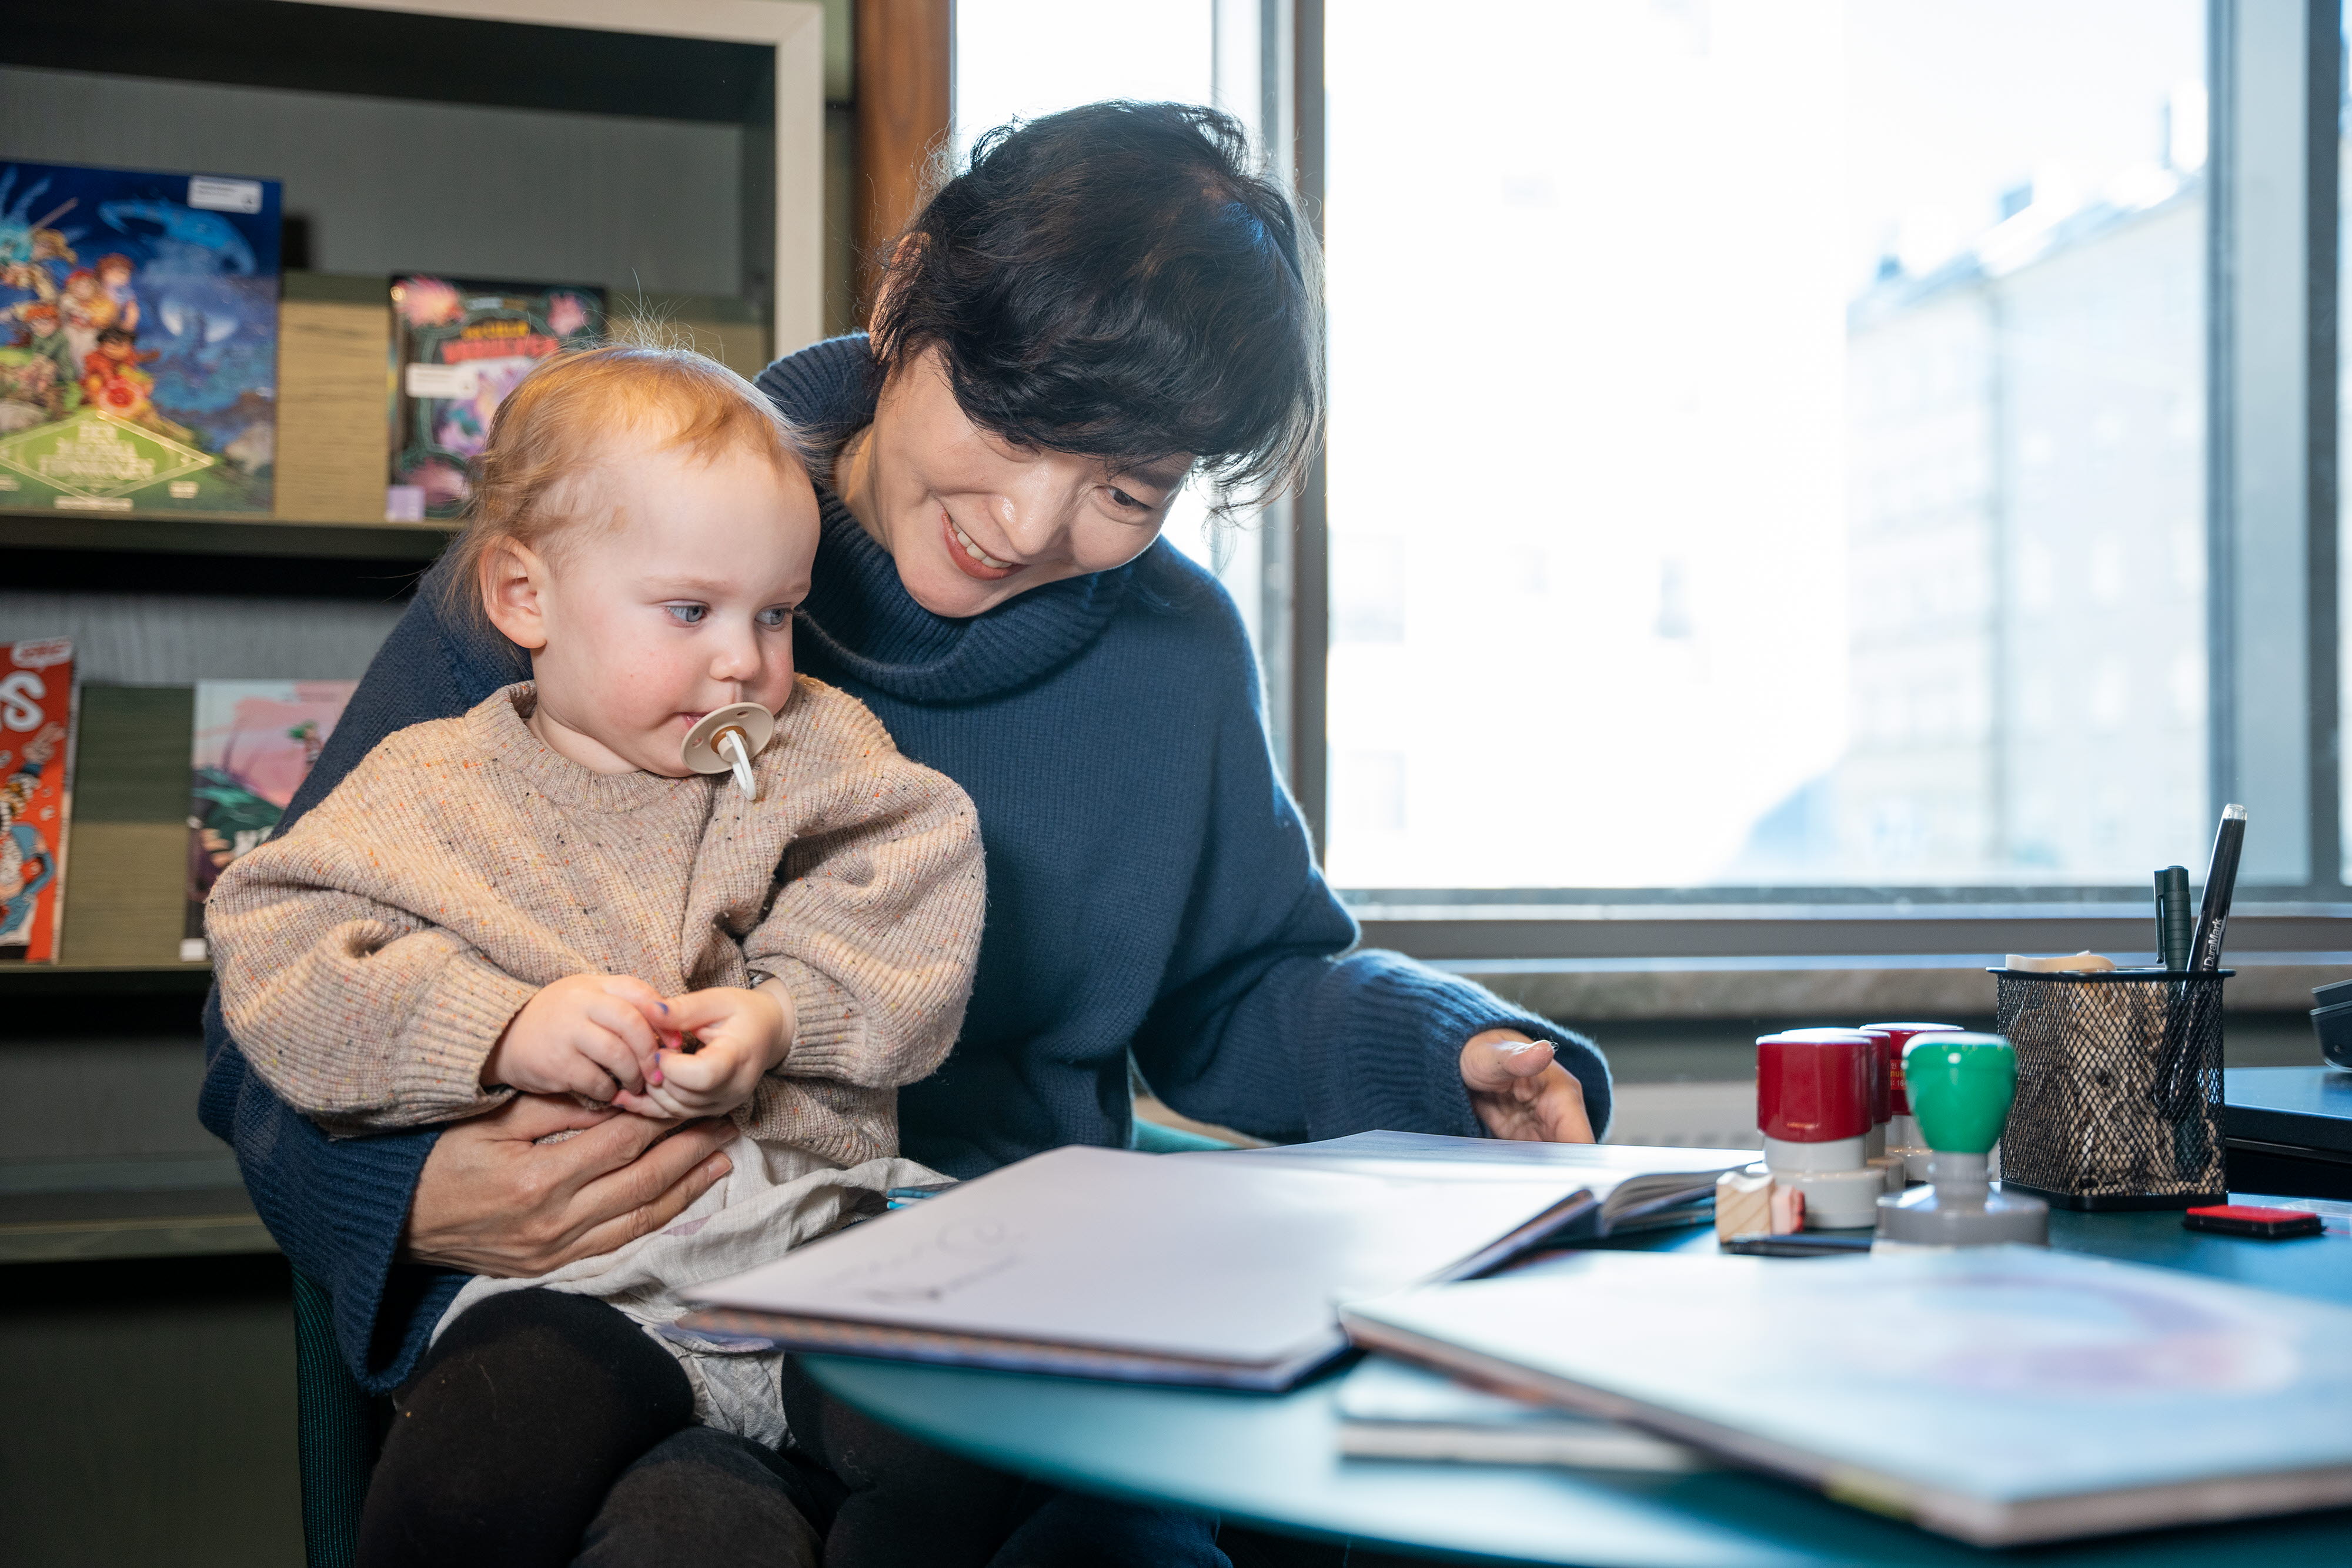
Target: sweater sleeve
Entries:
(361, 1015)
(1270, 1019)
(337, 1207)
(873, 933)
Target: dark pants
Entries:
(545, 1428)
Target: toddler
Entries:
(542, 896)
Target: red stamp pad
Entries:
(2253, 1219)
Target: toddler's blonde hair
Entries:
(536, 475)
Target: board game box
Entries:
(138, 340)
(458, 346)
(255, 744)
(37, 725)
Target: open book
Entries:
(2001, 1395)
(1223, 1269)
(1637, 1187)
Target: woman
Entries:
(1105, 306)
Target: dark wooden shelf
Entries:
(391, 54)
(62, 1227)
(202, 535)
(105, 979)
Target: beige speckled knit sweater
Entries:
(370, 956)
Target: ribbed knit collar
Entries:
(859, 614)
(498, 729)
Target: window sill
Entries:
(1842, 986)
(1929, 932)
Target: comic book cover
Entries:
(138, 314)
(37, 717)
(457, 348)
(255, 743)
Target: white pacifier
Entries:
(725, 741)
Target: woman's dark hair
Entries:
(1116, 281)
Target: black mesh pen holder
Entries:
(2119, 1088)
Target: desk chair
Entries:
(336, 1424)
(336, 1433)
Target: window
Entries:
(1022, 58)
(1768, 443)
(1791, 451)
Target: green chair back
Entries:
(336, 1433)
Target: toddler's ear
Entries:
(514, 588)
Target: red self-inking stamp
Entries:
(1813, 1093)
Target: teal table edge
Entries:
(1272, 1461)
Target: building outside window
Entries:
(1767, 444)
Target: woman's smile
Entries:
(974, 560)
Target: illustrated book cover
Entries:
(458, 347)
(36, 724)
(255, 743)
(2000, 1395)
(138, 340)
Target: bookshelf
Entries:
(672, 151)
(669, 150)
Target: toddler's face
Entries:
(683, 604)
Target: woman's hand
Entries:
(491, 1199)
(1519, 1092)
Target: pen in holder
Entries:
(2118, 1087)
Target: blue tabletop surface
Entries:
(1273, 1459)
(2304, 1107)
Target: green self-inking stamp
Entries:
(1961, 1085)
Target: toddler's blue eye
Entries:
(689, 614)
(774, 615)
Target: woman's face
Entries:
(972, 520)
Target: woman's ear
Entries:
(515, 583)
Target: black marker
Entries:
(2220, 883)
(2175, 925)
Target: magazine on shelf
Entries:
(138, 340)
(36, 736)
(255, 743)
(458, 346)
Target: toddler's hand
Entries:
(743, 1034)
(591, 1035)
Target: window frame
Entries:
(2276, 85)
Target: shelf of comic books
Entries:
(121, 805)
(165, 387)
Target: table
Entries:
(1272, 1461)
(2290, 1129)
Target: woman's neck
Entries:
(852, 481)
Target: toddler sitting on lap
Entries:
(542, 896)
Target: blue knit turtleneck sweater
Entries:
(1149, 888)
